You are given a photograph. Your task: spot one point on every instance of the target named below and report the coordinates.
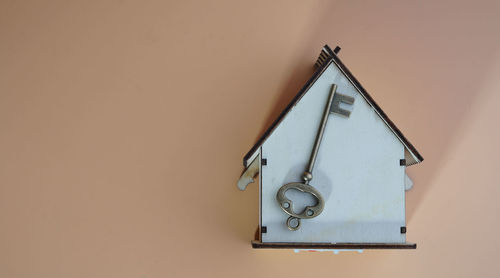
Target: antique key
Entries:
(293, 222)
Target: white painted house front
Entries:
(359, 170)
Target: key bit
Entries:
(337, 99)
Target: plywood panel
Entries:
(357, 171)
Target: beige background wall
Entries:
(123, 125)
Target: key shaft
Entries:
(319, 136)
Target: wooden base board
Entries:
(284, 245)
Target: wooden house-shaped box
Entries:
(359, 168)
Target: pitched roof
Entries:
(326, 57)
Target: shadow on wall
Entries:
(420, 63)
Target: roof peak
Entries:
(326, 57)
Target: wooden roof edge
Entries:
(326, 57)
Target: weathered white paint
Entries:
(357, 171)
